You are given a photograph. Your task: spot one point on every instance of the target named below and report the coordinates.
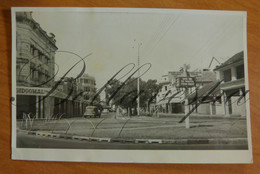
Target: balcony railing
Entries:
(233, 84)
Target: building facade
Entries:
(35, 54)
(38, 94)
(68, 100)
(171, 97)
(233, 85)
(164, 100)
(86, 85)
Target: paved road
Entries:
(32, 141)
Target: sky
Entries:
(165, 40)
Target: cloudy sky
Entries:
(168, 39)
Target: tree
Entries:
(125, 95)
(151, 90)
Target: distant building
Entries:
(205, 82)
(170, 98)
(86, 85)
(164, 100)
(69, 100)
(35, 57)
(233, 85)
(206, 99)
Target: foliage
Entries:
(125, 95)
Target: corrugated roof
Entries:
(236, 58)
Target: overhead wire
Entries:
(162, 26)
(174, 19)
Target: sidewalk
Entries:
(195, 115)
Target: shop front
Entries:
(32, 100)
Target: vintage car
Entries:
(92, 111)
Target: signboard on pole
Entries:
(185, 82)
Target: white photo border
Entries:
(130, 156)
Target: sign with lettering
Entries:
(40, 92)
(32, 91)
(183, 82)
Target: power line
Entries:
(162, 27)
(162, 36)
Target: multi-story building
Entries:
(164, 99)
(35, 53)
(86, 85)
(171, 97)
(69, 101)
(37, 92)
(233, 85)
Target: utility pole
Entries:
(187, 120)
(138, 80)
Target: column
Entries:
(233, 73)
(42, 108)
(59, 105)
(37, 107)
(224, 101)
(210, 108)
(187, 109)
(241, 106)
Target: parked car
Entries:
(92, 111)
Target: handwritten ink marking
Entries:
(124, 83)
(243, 96)
(112, 78)
(138, 95)
(200, 101)
(62, 78)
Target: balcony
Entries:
(233, 84)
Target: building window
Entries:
(41, 58)
(31, 50)
(227, 75)
(47, 60)
(240, 71)
(33, 71)
(86, 89)
(47, 75)
(18, 67)
(165, 87)
(35, 53)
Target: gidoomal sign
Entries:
(32, 91)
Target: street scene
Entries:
(130, 81)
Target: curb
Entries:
(142, 141)
(224, 117)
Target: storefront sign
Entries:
(40, 92)
(32, 91)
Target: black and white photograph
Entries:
(130, 85)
